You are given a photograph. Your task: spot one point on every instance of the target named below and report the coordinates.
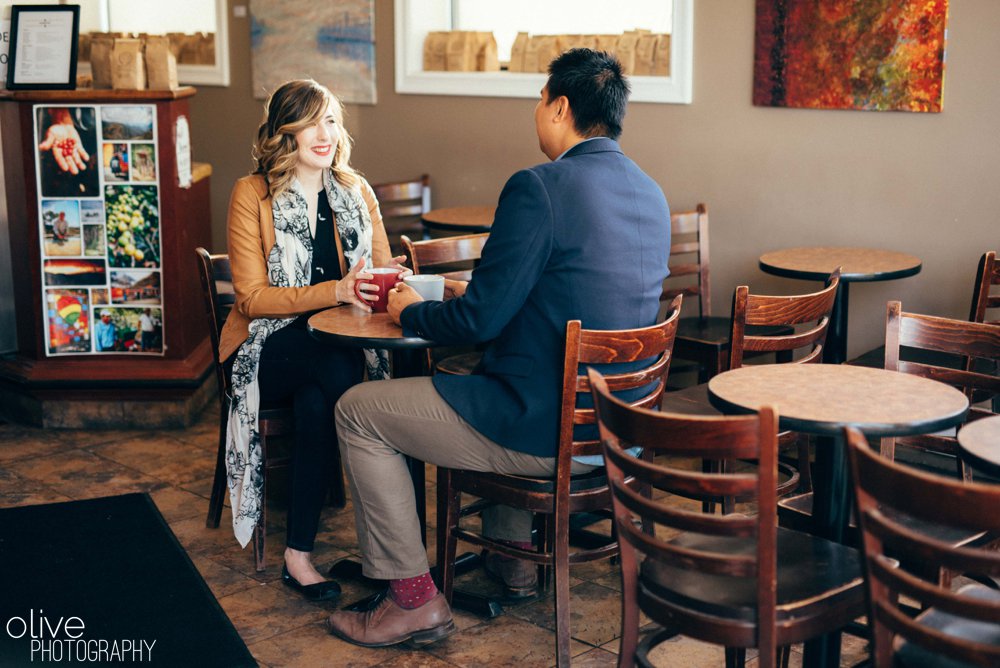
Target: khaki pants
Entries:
(379, 422)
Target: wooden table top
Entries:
(350, 326)
(857, 264)
(980, 443)
(464, 218)
(824, 398)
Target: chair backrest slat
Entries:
(886, 493)
(712, 563)
(401, 204)
(216, 278)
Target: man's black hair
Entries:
(597, 90)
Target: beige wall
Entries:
(925, 184)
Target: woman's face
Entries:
(318, 142)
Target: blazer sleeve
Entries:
(381, 253)
(255, 297)
(512, 263)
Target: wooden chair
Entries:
(983, 297)
(402, 203)
(274, 420)
(703, 339)
(734, 580)
(452, 257)
(559, 497)
(954, 626)
(976, 343)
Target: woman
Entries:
(302, 229)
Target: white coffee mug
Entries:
(428, 286)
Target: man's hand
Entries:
(400, 297)
(453, 289)
(66, 146)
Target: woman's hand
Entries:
(345, 287)
(397, 263)
(453, 289)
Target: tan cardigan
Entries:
(251, 237)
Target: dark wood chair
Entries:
(274, 420)
(402, 203)
(955, 627)
(703, 339)
(454, 258)
(977, 344)
(983, 297)
(556, 499)
(734, 580)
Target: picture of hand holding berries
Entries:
(67, 146)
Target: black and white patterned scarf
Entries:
(289, 264)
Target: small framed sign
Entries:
(43, 47)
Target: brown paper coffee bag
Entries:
(486, 53)
(531, 53)
(516, 63)
(645, 49)
(548, 50)
(100, 61)
(661, 56)
(127, 69)
(606, 43)
(625, 51)
(435, 46)
(461, 53)
(161, 64)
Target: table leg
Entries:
(836, 335)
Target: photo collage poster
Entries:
(97, 172)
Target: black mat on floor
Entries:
(115, 566)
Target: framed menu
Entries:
(43, 47)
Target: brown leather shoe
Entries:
(518, 577)
(389, 624)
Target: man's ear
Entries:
(562, 108)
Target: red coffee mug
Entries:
(386, 279)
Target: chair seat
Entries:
(911, 655)
(714, 331)
(810, 571)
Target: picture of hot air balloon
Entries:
(68, 315)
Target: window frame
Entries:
(414, 18)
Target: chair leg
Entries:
(805, 468)
(561, 567)
(736, 657)
(448, 508)
(217, 499)
(260, 530)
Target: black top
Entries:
(325, 263)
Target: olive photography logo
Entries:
(64, 639)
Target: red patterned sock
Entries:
(523, 544)
(412, 593)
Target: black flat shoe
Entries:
(321, 591)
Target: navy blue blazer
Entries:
(584, 237)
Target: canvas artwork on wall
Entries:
(331, 42)
(876, 55)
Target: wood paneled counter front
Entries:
(79, 389)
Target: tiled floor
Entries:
(280, 628)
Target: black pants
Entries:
(315, 375)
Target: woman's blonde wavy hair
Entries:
(290, 109)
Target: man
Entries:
(104, 333)
(147, 329)
(583, 237)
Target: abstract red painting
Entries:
(879, 55)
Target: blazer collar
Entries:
(598, 145)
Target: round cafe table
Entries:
(857, 265)
(823, 399)
(464, 219)
(979, 443)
